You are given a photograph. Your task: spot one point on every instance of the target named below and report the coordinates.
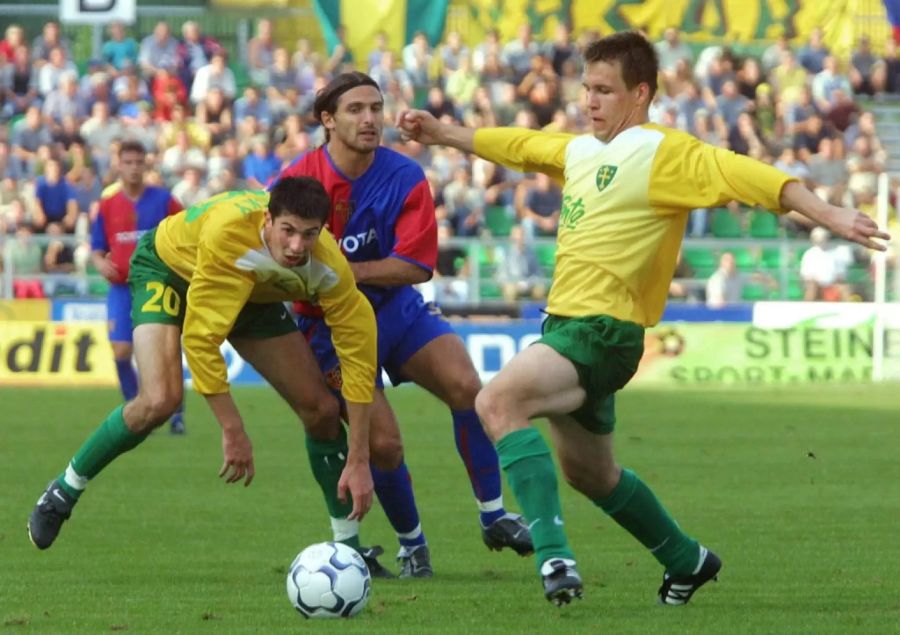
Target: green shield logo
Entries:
(605, 175)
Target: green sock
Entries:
(327, 459)
(634, 506)
(108, 441)
(525, 458)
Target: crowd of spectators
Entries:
(208, 129)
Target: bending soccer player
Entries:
(383, 217)
(628, 188)
(223, 269)
(128, 208)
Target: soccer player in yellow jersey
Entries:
(628, 188)
(223, 269)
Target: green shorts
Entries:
(606, 353)
(159, 296)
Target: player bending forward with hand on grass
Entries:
(628, 188)
(223, 269)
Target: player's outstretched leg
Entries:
(55, 505)
(53, 508)
(499, 529)
(525, 458)
(633, 505)
(677, 590)
(561, 581)
(394, 489)
(443, 367)
(395, 493)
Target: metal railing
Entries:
(483, 262)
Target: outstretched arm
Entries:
(687, 174)
(516, 148)
(422, 126)
(849, 224)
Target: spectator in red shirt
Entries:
(167, 91)
(15, 37)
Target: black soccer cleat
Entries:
(508, 531)
(561, 581)
(415, 562)
(376, 570)
(677, 590)
(52, 509)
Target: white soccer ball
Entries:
(329, 579)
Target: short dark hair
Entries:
(636, 56)
(301, 196)
(327, 98)
(131, 145)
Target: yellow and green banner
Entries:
(784, 345)
(362, 19)
(715, 21)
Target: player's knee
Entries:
(154, 407)
(386, 451)
(493, 411)
(462, 390)
(323, 420)
(594, 480)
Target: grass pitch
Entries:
(797, 490)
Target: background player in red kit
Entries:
(383, 217)
(128, 208)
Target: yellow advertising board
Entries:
(28, 310)
(45, 353)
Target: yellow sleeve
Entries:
(524, 150)
(351, 319)
(688, 174)
(110, 190)
(218, 291)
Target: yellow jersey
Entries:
(625, 208)
(218, 248)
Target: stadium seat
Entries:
(754, 292)
(498, 220)
(771, 257)
(241, 77)
(699, 257)
(726, 224)
(858, 275)
(764, 225)
(487, 261)
(546, 255)
(795, 290)
(490, 290)
(744, 258)
(98, 287)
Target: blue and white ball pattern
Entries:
(329, 579)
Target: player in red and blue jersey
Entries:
(128, 208)
(383, 217)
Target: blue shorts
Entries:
(406, 323)
(118, 313)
